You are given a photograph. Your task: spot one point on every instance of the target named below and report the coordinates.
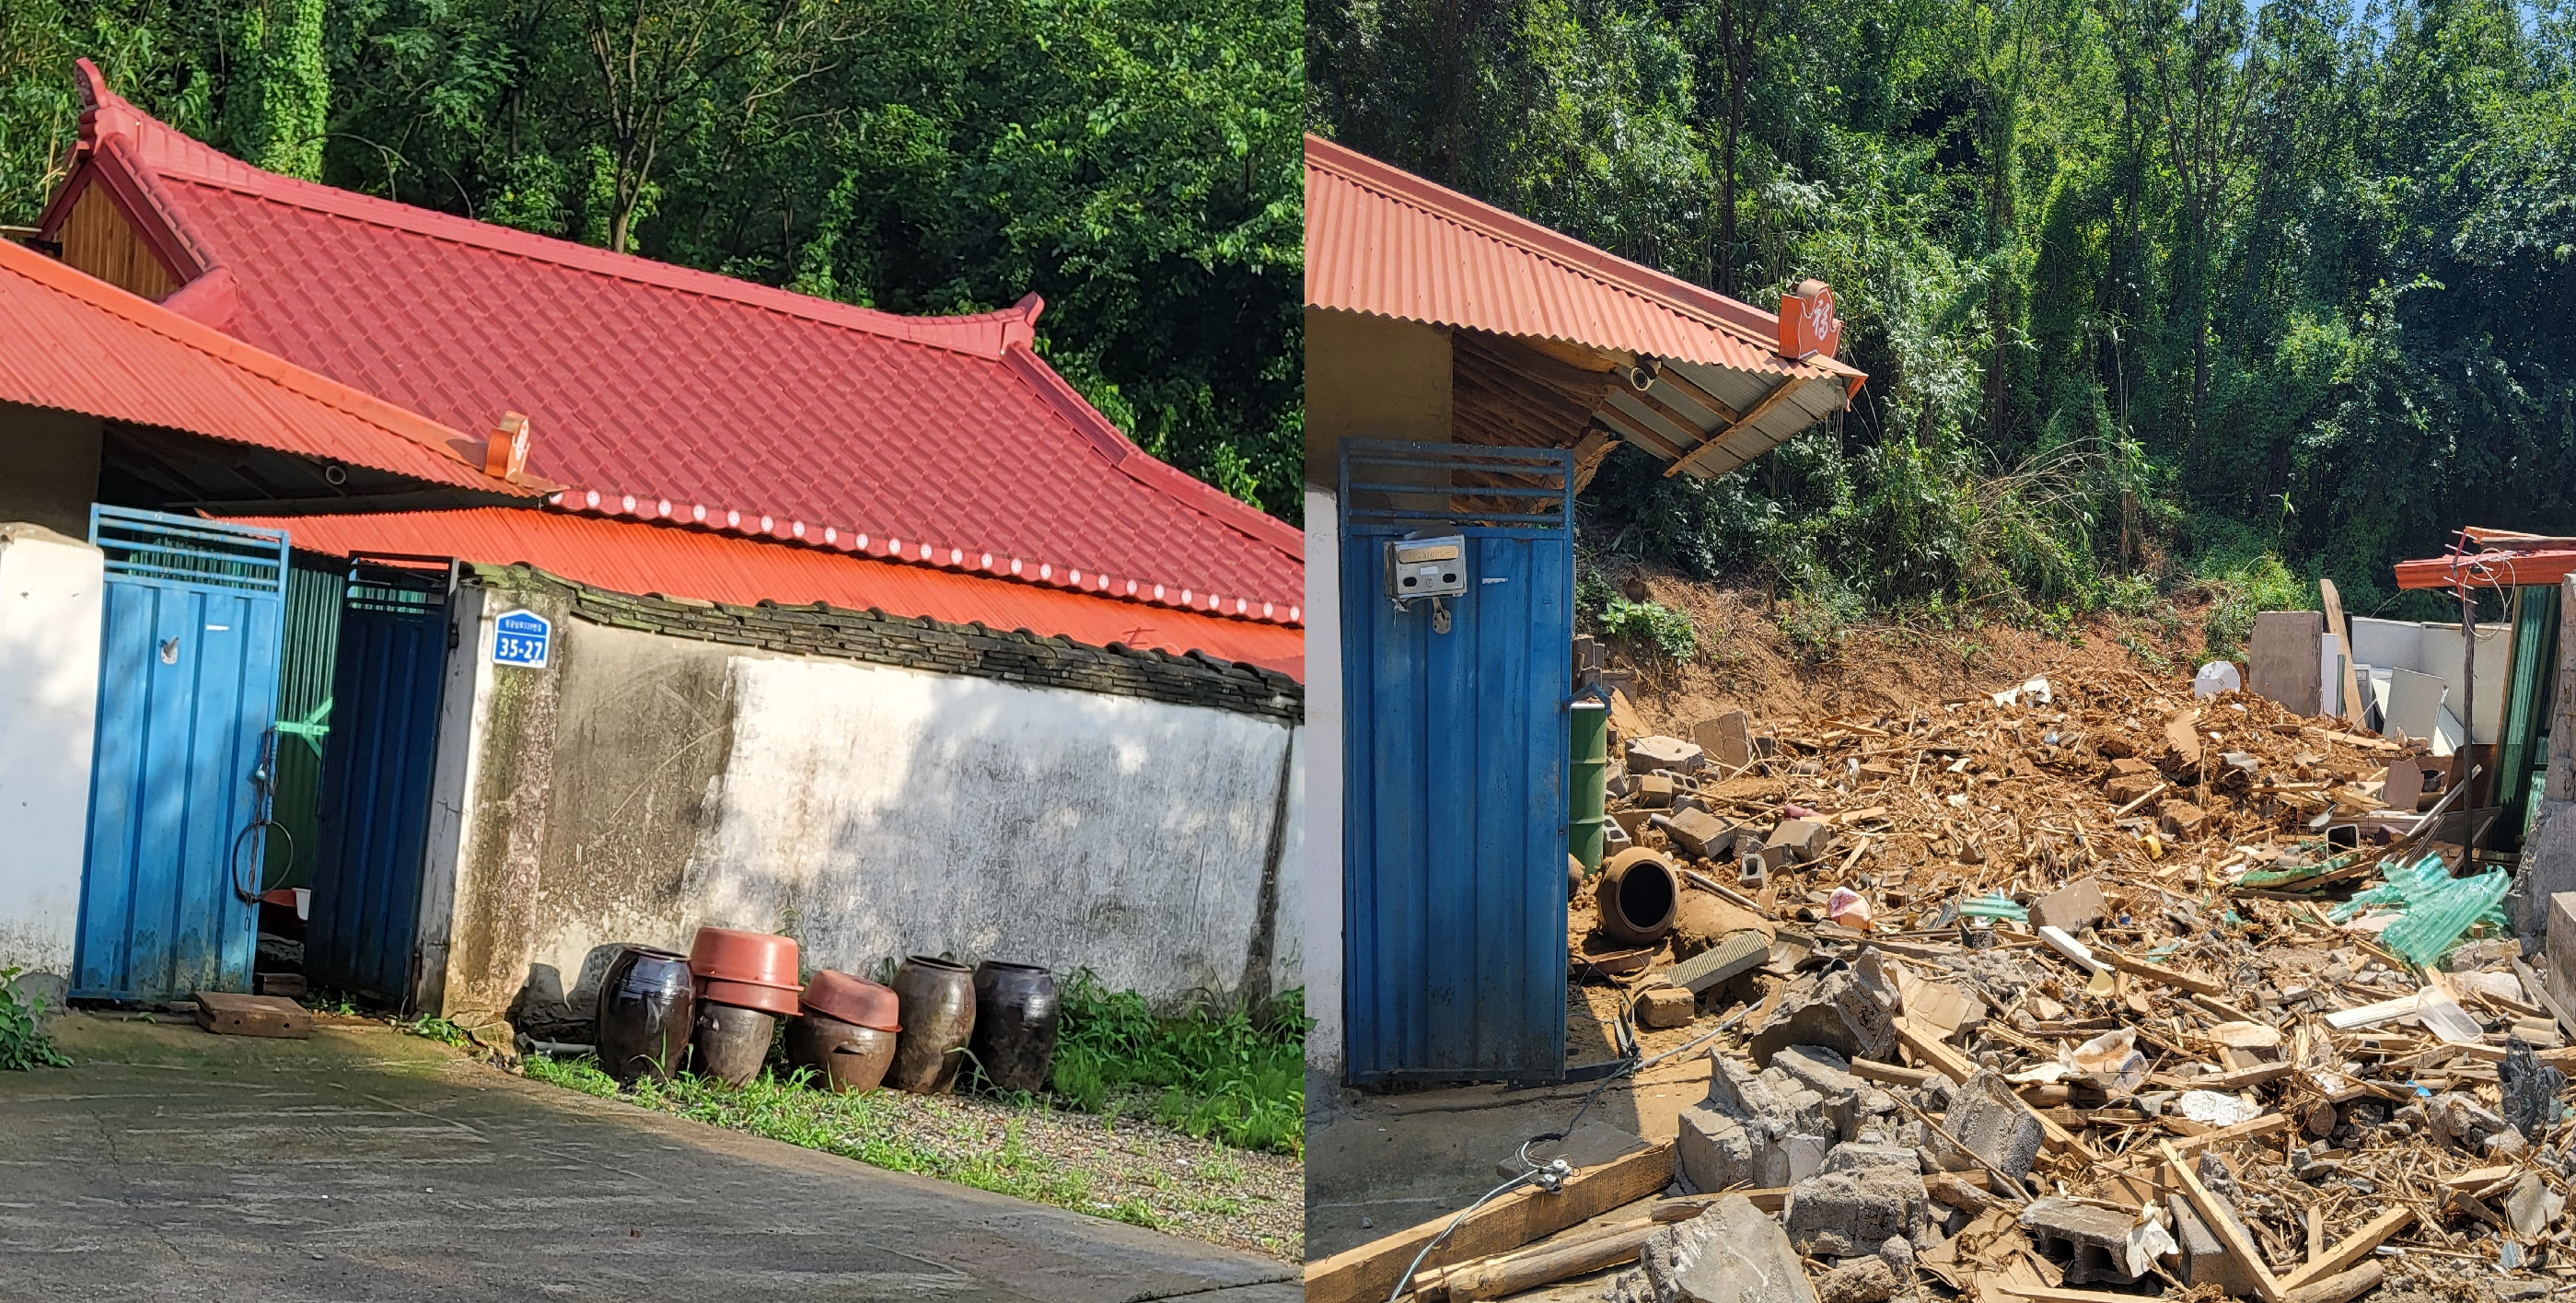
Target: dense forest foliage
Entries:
(1134, 161)
(2148, 290)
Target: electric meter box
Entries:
(1426, 567)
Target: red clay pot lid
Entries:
(780, 1000)
(853, 1000)
(733, 955)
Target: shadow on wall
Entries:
(875, 812)
(988, 820)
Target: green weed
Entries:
(1235, 1075)
(440, 1030)
(23, 1042)
(1652, 624)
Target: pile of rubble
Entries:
(2084, 992)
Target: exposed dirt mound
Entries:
(1746, 660)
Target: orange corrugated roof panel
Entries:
(1383, 241)
(75, 343)
(637, 557)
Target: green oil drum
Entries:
(1584, 791)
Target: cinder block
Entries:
(1666, 1006)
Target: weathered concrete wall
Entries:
(1323, 772)
(48, 467)
(51, 590)
(1372, 378)
(644, 784)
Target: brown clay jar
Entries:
(848, 1057)
(938, 1008)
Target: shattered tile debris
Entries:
(2085, 991)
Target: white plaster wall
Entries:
(1323, 777)
(877, 812)
(50, 594)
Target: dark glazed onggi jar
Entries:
(647, 1005)
(1015, 1015)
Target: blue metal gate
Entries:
(1454, 751)
(187, 686)
(376, 780)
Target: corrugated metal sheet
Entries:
(187, 686)
(376, 784)
(313, 585)
(79, 344)
(1454, 754)
(633, 557)
(1383, 241)
(665, 393)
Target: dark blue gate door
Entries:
(376, 781)
(195, 615)
(1454, 753)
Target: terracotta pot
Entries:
(1015, 1013)
(1639, 895)
(779, 1000)
(854, 1000)
(756, 958)
(647, 1003)
(938, 1008)
(732, 1042)
(850, 1058)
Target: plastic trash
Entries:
(2035, 689)
(2111, 1059)
(2438, 908)
(2148, 1240)
(1993, 907)
(2214, 678)
(2215, 1108)
(1847, 908)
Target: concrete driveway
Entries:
(368, 1164)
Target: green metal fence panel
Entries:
(314, 584)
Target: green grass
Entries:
(864, 1127)
(440, 1030)
(23, 1042)
(1233, 1075)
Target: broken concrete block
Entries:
(1846, 1214)
(1700, 833)
(1739, 952)
(1666, 1006)
(2533, 1206)
(2201, 1259)
(1819, 1069)
(1836, 1010)
(1732, 1253)
(2091, 1241)
(1862, 1280)
(2181, 819)
(1992, 1122)
(1727, 739)
(1858, 1156)
(1648, 754)
(1718, 1152)
(1654, 792)
(1804, 840)
(1954, 1191)
(2071, 908)
(2122, 791)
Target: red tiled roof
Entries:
(658, 392)
(634, 557)
(1383, 241)
(75, 343)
